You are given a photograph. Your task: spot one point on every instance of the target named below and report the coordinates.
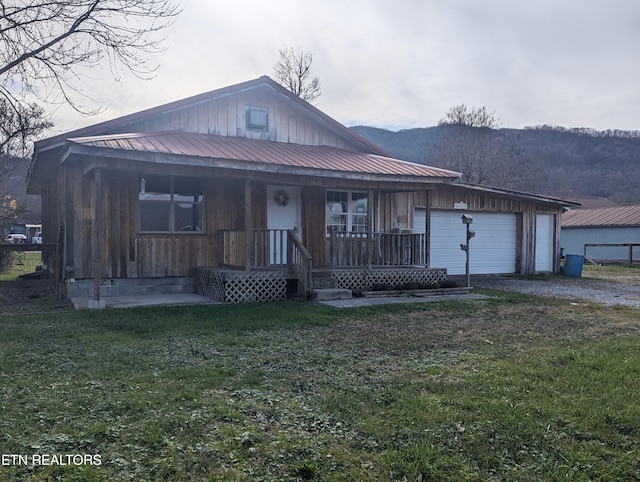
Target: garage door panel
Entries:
(493, 249)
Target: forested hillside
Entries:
(547, 160)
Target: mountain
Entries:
(569, 163)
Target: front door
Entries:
(283, 213)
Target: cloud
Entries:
(404, 63)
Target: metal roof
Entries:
(317, 158)
(618, 216)
(467, 186)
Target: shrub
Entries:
(6, 261)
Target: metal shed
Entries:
(613, 226)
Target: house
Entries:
(250, 192)
(616, 229)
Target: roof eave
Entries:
(78, 150)
(518, 194)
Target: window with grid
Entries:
(168, 204)
(346, 212)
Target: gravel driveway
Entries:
(625, 292)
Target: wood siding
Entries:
(226, 116)
(126, 253)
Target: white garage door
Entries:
(492, 250)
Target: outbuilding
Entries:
(602, 234)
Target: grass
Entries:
(511, 388)
(609, 271)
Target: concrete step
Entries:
(327, 294)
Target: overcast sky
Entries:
(399, 64)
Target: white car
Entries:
(37, 238)
(15, 238)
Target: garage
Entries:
(492, 250)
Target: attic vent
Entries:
(257, 118)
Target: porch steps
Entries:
(326, 294)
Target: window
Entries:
(346, 212)
(171, 204)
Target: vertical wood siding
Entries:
(127, 253)
(226, 116)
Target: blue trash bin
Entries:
(573, 265)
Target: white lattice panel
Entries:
(364, 279)
(240, 287)
(255, 287)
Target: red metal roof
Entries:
(265, 152)
(618, 216)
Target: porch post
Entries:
(96, 245)
(247, 224)
(371, 209)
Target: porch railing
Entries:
(264, 248)
(300, 263)
(281, 248)
(377, 249)
(275, 248)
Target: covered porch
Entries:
(264, 264)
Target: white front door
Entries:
(283, 213)
(544, 243)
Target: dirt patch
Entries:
(30, 299)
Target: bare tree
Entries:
(19, 125)
(46, 46)
(46, 49)
(466, 141)
(292, 70)
(471, 142)
(478, 117)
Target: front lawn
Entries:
(510, 388)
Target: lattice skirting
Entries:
(366, 279)
(239, 286)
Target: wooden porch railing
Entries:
(300, 263)
(377, 249)
(264, 248)
(267, 248)
(281, 248)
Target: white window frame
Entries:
(171, 199)
(334, 210)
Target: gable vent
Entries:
(257, 118)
